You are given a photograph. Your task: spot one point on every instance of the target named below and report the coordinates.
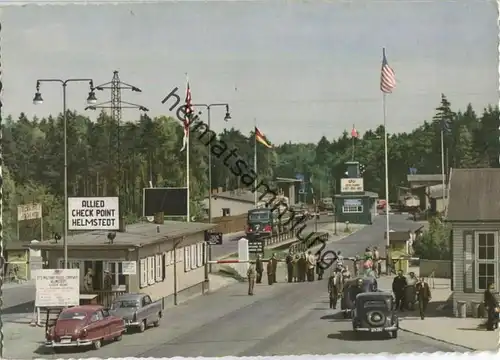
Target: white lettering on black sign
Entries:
(93, 214)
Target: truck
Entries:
(138, 311)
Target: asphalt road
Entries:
(281, 319)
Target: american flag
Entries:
(387, 76)
(187, 118)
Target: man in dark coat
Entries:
(319, 267)
(491, 305)
(289, 266)
(423, 296)
(274, 261)
(398, 288)
(302, 264)
(270, 274)
(251, 273)
(259, 269)
(334, 287)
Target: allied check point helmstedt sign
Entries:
(93, 213)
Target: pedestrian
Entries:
(274, 261)
(289, 266)
(88, 281)
(319, 267)
(107, 281)
(340, 259)
(251, 274)
(296, 268)
(302, 267)
(311, 263)
(259, 268)
(377, 265)
(334, 283)
(389, 266)
(491, 305)
(398, 287)
(423, 296)
(270, 274)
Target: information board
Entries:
(57, 287)
(256, 247)
(213, 238)
(93, 213)
(351, 185)
(29, 212)
(129, 268)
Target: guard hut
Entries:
(289, 188)
(353, 204)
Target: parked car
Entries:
(137, 311)
(374, 314)
(87, 325)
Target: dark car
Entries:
(374, 313)
(264, 222)
(349, 292)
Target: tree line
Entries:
(105, 159)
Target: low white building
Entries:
(231, 203)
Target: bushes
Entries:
(434, 243)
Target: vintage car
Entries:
(348, 295)
(87, 325)
(137, 311)
(374, 313)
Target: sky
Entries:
(299, 70)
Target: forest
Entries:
(106, 158)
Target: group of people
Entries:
(405, 299)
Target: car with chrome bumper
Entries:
(87, 325)
(138, 311)
(373, 313)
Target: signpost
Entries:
(256, 247)
(213, 238)
(129, 268)
(30, 212)
(57, 287)
(93, 213)
(351, 185)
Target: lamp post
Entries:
(227, 117)
(38, 100)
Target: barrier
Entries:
(318, 238)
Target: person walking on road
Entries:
(274, 261)
(270, 274)
(398, 287)
(423, 296)
(296, 268)
(259, 268)
(334, 288)
(389, 265)
(491, 305)
(289, 266)
(377, 264)
(251, 274)
(320, 271)
(311, 262)
(302, 265)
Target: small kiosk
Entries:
(353, 204)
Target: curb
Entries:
(437, 339)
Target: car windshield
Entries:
(374, 303)
(259, 216)
(124, 304)
(72, 315)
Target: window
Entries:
(179, 255)
(143, 269)
(146, 300)
(115, 269)
(352, 209)
(486, 259)
(159, 268)
(226, 212)
(193, 256)
(151, 270)
(199, 255)
(168, 258)
(187, 258)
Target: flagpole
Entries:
(386, 155)
(188, 190)
(255, 157)
(353, 138)
(442, 166)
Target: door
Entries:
(97, 328)
(147, 308)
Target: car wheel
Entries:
(142, 327)
(394, 334)
(97, 344)
(118, 338)
(157, 322)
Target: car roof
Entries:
(84, 308)
(374, 295)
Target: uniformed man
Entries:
(274, 261)
(296, 268)
(302, 265)
(311, 263)
(423, 296)
(389, 266)
(108, 280)
(358, 289)
(270, 274)
(88, 283)
(334, 289)
(259, 268)
(289, 266)
(491, 305)
(251, 274)
(377, 262)
(319, 267)
(398, 287)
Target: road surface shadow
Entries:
(336, 317)
(349, 335)
(26, 307)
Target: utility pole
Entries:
(116, 104)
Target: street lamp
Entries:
(38, 100)
(227, 117)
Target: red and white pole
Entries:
(228, 261)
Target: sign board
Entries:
(353, 202)
(29, 212)
(57, 287)
(213, 238)
(256, 246)
(169, 201)
(93, 213)
(129, 268)
(351, 185)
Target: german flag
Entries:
(260, 137)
